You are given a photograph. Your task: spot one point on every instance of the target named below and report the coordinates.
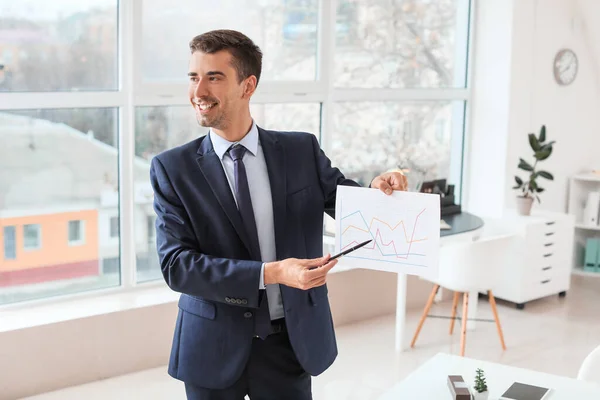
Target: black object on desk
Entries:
(446, 193)
(458, 388)
(523, 391)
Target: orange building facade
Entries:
(48, 247)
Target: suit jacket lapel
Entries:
(275, 159)
(213, 172)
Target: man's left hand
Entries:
(389, 182)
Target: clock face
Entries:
(565, 67)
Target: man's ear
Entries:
(250, 86)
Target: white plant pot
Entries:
(524, 205)
(480, 396)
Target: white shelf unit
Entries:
(540, 263)
(579, 187)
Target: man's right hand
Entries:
(297, 273)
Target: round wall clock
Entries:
(565, 67)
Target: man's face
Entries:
(214, 90)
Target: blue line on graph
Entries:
(372, 237)
(349, 215)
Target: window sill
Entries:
(75, 308)
(47, 311)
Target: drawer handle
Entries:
(546, 268)
(548, 244)
(550, 223)
(549, 233)
(548, 255)
(546, 281)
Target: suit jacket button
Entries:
(238, 301)
(227, 299)
(247, 314)
(244, 301)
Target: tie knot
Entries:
(237, 151)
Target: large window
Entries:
(413, 136)
(90, 91)
(400, 81)
(58, 45)
(59, 176)
(285, 30)
(400, 43)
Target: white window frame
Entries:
(132, 93)
(81, 240)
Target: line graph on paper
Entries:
(404, 229)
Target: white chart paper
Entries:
(404, 227)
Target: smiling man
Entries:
(239, 234)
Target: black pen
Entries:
(343, 253)
(351, 249)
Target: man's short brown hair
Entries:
(245, 55)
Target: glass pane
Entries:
(57, 166)
(415, 137)
(161, 128)
(75, 231)
(31, 237)
(285, 30)
(10, 243)
(114, 227)
(59, 45)
(401, 43)
(73, 234)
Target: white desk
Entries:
(429, 381)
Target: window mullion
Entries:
(127, 29)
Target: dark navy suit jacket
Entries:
(204, 254)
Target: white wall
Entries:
(51, 356)
(570, 113)
(537, 30)
(485, 153)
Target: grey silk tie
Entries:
(262, 320)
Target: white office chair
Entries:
(470, 267)
(590, 368)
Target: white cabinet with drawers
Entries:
(541, 262)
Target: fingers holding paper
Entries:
(389, 182)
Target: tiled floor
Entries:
(551, 335)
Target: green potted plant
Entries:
(529, 189)
(481, 389)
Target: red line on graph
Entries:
(386, 224)
(392, 243)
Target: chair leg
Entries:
(454, 306)
(463, 335)
(498, 326)
(425, 312)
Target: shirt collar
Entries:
(221, 145)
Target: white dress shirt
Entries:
(262, 203)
